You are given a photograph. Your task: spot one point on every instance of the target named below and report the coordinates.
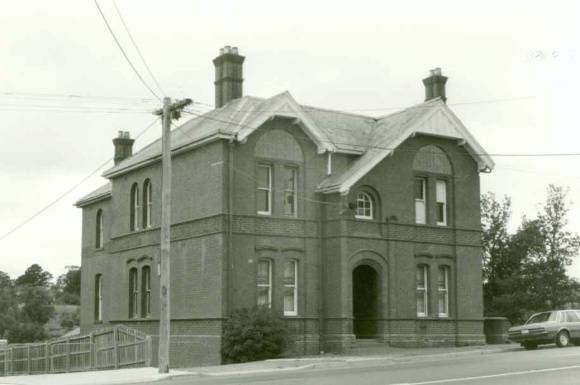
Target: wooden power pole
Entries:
(168, 112)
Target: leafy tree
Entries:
(253, 334)
(35, 304)
(5, 280)
(526, 272)
(68, 286)
(34, 276)
(8, 308)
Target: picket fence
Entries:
(112, 348)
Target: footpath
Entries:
(384, 355)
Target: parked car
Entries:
(558, 326)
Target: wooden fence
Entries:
(117, 347)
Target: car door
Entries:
(573, 323)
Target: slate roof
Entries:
(335, 131)
(102, 192)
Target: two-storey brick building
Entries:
(348, 226)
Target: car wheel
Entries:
(563, 339)
(529, 346)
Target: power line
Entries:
(123, 51)
(73, 96)
(137, 48)
(60, 197)
(370, 146)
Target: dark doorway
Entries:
(365, 301)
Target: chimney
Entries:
(123, 146)
(435, 85)
(228, 75)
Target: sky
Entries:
(66, 89)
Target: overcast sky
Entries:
(513, 68)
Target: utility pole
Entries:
(168, 112)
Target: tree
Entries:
(68, 286)
(526, 272)
(5, 280)
(34, 276)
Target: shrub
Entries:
(253, 334)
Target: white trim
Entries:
(423, 201)
(329, 163)
(295, 289)
(483, 160)
(294, 170)
(268, 189)
(284, 105)
(424, 289)
(269, 284)
(441, 197)
(371, 203)
(99, 295)
(445, 290)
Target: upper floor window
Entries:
(145, 291)
(134, 207)
(147, 204)
(422, 278)
(98, 297)
(291, 287)
(264, 283)
(133, 293)
(441, 203)
(290, 190)
(420, 200)
(364, 206)
(443, 291)
(99, 230)
(264, 189)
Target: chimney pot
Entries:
(123, 146)
(228, 75)
(435, 85)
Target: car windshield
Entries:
(542, 317)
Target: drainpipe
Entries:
(229, 257)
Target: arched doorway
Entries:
(365, 301)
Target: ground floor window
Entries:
(264, 283)
(443, 291)
(422, 277)
(290, 287)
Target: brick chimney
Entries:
(123, 146)
(228, 75)
(435, 85)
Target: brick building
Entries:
(348, 226)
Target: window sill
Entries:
(363, 218)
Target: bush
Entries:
(253, 334)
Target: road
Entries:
(544, 366)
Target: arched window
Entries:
(364, 206)
(99, 230)
(133, 293)
(134, 207)
(98, 297)
(145, 291)
(147, 204)
(264, 283)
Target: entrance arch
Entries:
(365, 301)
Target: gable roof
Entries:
(103, 192)
(430, 118)
(332, 131)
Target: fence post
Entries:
(46, 358)
(68, 355)
(92, 350)
(116, 346)
(28, 358)
(149, 351)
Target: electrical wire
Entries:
(137, 48)
(68, 191)
(370, 146)
(123, 51)
(73, 96)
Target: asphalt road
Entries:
(545, 366)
